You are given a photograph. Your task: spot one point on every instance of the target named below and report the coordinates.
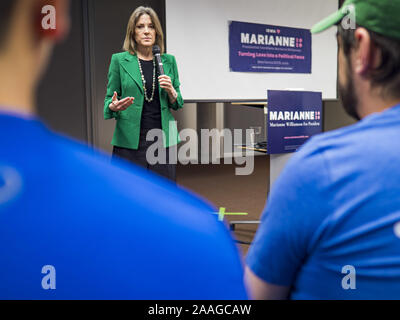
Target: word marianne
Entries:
(291, 115)
(278, 41)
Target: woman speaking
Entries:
(140, 99)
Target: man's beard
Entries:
(348, 96)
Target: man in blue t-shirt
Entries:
(331, 227)
(72, 226)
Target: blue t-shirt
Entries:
(73, 226)
(331, 228)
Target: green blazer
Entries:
(124, 78)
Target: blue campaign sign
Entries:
(293, 117)
(265, 48)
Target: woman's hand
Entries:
(166, 84)
(120, 105)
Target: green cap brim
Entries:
(328, 22)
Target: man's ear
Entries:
(51, 19)
(363, 52)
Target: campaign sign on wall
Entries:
(265, 48)
(293, 117)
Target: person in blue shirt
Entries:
(73, 226)
(331, 226)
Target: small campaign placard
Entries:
(293, 117)
(266, 48)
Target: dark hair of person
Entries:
(6, 8)
(387, 74)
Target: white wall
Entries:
(198, 35)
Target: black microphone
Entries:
(157, 56)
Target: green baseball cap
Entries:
(380, 16)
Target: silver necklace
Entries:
(144, 81)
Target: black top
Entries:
(151, 114)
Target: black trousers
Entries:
(138, 157)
